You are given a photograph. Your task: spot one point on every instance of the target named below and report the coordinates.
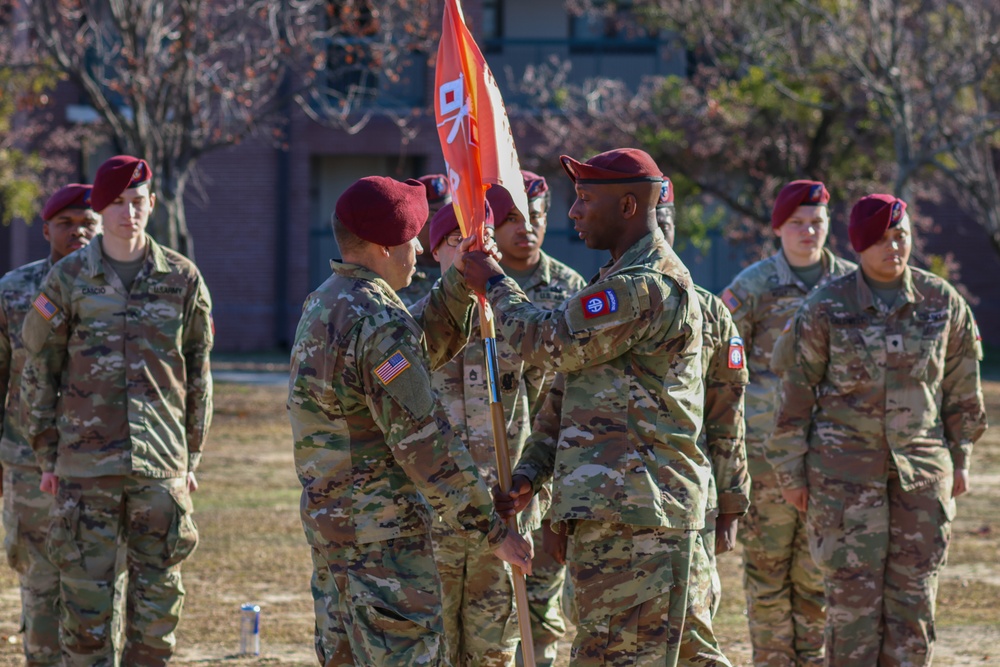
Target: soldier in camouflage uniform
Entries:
(117, 403)
(784, 589)
(69, 223)
(881, 405)
(477, 588)
(373, 449)
(438, 195)
(722, 440)
(628, 475)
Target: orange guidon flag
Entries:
(472, 124)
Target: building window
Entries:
(491, 35)
(611, 27)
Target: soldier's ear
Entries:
(628, 205)
(152, 201)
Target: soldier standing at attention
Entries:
(783, 587)
(69, 224)
(881, 405)
(373, 448)
(722, 440)
(117, 404)
(627, 473)
(548, 283)
(427, 273)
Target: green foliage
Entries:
(19, 191)
(22, 88)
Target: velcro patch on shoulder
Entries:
(405, 378)
(736, 353)
(45, 307)
(732, 302)
(608, 303)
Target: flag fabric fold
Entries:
(472, 124)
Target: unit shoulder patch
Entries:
(599, 303)
(609, 303)
(736, 353)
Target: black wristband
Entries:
(493, 280)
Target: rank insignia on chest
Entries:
(731, 301)
(894, 343)
(736, 352)
(45, 308)
(508, 383)
(602, 303)
(390, 369)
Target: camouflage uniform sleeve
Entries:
(5, 360)
(539, 456)
(963, 412)
(725, 429)
(445, 314)
(566, 338)
(199, 337)
(786, 451)
(739, 301)
(45, 339)
(538, 382)
(398, 392)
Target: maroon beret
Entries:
(438, 189)
(74, 195)
(871, 217)
(445, 222)
(795, 194)
(442, 224)
(501, 202)
(534, 185)
(666, 194)
(382, 210)
(115, 176)
(622, 165)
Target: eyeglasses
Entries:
(453, 240)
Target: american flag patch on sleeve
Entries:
(391, 368)
(45, 308)
(731, 301)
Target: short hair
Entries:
(347, 240)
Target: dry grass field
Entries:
(252, 549)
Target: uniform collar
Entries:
(786, 275)
(639, 250)
(358, 272)
(154, 256)
(908, 291)
(542, 275)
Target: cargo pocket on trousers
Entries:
(825, 519)
(392, 635)
(61, 542)
(183, 536)
(12, 543)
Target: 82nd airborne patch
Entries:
(601, 303)
(736, 359)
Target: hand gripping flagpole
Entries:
(460, 71)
